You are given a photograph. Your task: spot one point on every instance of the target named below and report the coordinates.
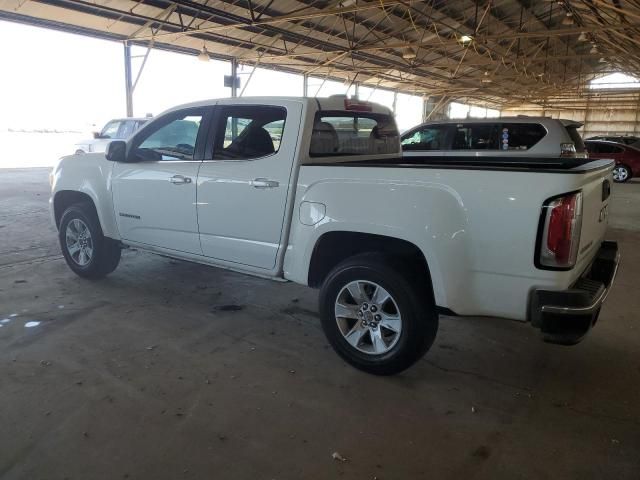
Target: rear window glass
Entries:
(521, 136)
(345, 133)
(576, 138)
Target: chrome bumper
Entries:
(566, 316)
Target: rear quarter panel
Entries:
(476, 228)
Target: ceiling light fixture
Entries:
(203, 56)
(593, 50)
(464, 39)
(583, 37)
(486, 78)
(409, 54)
(568, 19)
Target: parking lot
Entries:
(172, 370)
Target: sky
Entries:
(55, 80)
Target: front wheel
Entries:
(621, 173)
(379, 318)
(86, 250)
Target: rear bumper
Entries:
(566, 316)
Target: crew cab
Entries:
(316, 191)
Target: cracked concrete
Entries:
(169, 370)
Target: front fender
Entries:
(89, 174)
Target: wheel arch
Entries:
(333, 247)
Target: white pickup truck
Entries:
(316, 191)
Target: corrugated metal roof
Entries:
(498, 53)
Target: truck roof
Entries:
(334, 102)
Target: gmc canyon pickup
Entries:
(316, 191)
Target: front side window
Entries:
(247, 132)
(345, 133)
(427, 138)
(176, 140)
(475, 137)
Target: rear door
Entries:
(244, 183)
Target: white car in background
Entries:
(517, 137)
(117, 129)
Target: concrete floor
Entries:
(168, 370)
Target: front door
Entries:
(243, 188)
(154, 193)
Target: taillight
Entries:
(567, 150)
(558, 245)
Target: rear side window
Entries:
(604, 148)
(521, 136)
(353, 133)
(246, 132)
(479, 136)
(576, 138)
(427, 138)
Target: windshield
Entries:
(110, 130)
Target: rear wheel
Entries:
(379, 317)
(621, 173)
(86, 250)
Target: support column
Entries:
(395, 102)
(128, 85)
(234, 77)
(305, 85)
(357, 90)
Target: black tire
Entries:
(624, 175)
(106, 252)
(414, 298)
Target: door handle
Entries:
(180, 180)
(264, 183)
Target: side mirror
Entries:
(116, 151)
(96, 134)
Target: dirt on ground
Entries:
(171, 370)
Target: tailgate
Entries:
(596, 192)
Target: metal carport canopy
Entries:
(497, 53)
